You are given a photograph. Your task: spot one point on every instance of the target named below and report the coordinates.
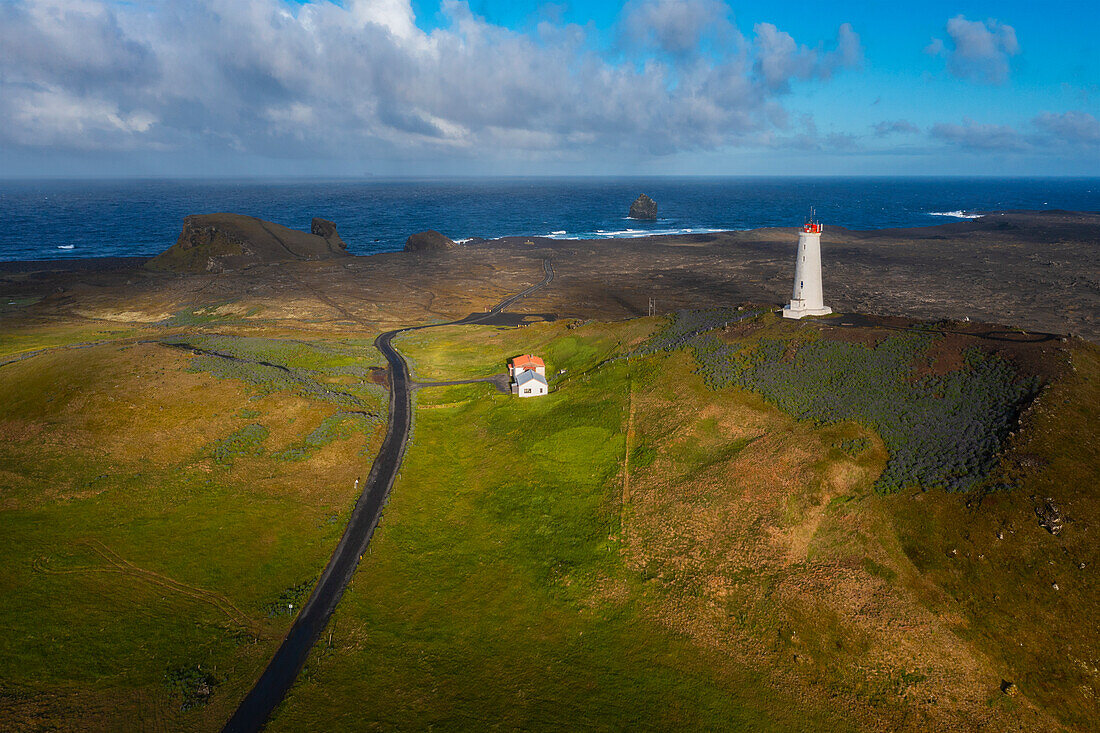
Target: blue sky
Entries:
(488, 87)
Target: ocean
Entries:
(78, 219)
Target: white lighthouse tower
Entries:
(806, 298)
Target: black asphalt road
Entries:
(291, 656)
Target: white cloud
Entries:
(977, 50)
(56, 117)
(779, 58)
(974, 136)
(1048, 133)
(396, 16)
(1070, 128)
(677, 26)
(895, 127)
(361, 79)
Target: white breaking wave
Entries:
(956, 214)
(630, 233)
(562, 234)
(66, 246)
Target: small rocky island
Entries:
(644, 208)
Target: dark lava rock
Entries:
(1050, 516)
(644, 208)
(219, 242)
(326, 230)
(429, 241)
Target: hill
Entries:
(218, 242)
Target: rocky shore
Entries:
(1030, 270)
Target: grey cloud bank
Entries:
(197, 84)
(253, 76)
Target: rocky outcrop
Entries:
(644, 208)
(1050, 516)
(219, 242)
(429, 241)
(326, 230)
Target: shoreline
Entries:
(973, 220)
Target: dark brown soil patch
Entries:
(946, 355)
(870, 337)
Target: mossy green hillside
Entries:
(640, 530)
(18, 341)
(465, 352)
(495, 595)
(642, 548)
(150, 526)
(337, 372)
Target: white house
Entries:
(530, 384)
(528, 375)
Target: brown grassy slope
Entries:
(764, 540)
(341, 296)
(1026, 597)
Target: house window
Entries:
(527, 391)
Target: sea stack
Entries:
(644, 208)
(326, 230)
(806, 300)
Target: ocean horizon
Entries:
(87, 218)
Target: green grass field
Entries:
(495, 594)
(465, 352)
(641, 550)
(155, 520)
(646, 547)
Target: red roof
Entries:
(527, 361)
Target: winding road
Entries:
(291, 656)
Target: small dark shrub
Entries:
(193, 686)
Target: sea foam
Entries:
(956, 214)
(631, 233)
